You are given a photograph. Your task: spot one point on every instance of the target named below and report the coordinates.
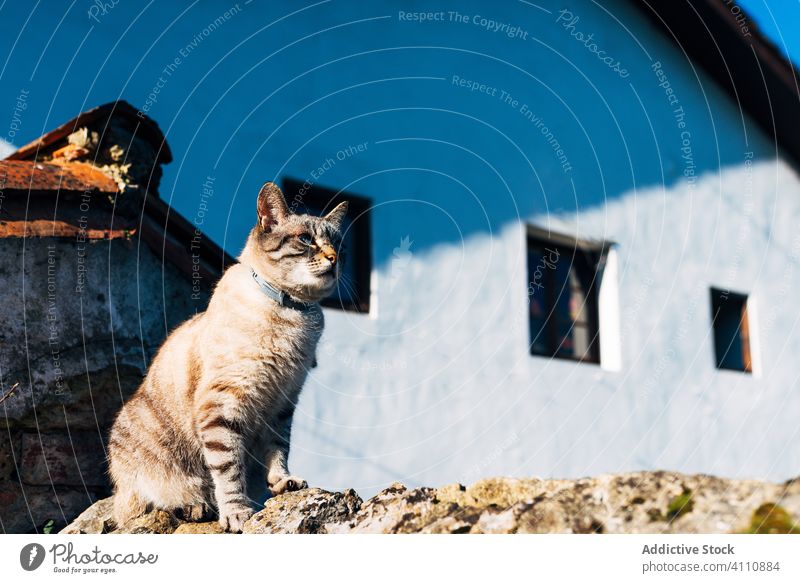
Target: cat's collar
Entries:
(279, 296)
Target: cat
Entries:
(209, 427)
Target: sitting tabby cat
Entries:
(209, 427)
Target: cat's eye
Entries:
(306, 239)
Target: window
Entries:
(731, 330)
(563, 287)
(353, 291)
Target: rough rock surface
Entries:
(642, 502)
(309, 511)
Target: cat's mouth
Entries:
(327, 272)
(328, 278)
(324, 278)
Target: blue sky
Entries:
(778, 21)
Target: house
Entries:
(572, 245)
(583, 242)
(95, 269)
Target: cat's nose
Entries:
(329, 253)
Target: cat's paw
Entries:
(192, 512)
(233, 519)
(288, 484)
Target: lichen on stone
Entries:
(770, 518)
(680, 505)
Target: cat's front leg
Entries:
(220, 428)
(279, 480)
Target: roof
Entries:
(719, 36)
(139, 124)
(48, 199)
(25, 176)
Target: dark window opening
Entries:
(353, 291)
(562, 297)
(731, 330)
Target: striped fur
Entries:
(210, 426)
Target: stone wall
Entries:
(70, 357)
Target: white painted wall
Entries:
(437, 385)
(440, 387)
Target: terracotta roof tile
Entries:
(32, 176)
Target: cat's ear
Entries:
(271, 206)
(336, 216)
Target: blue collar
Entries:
(281, 297)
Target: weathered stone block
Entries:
(308, 511)
(29, 508)
(97, 519)
(63, 459)
(87, 401)
(9, 451)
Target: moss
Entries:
(655, 515)
(769, 518)
(680, 505)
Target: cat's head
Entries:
(300, 254)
